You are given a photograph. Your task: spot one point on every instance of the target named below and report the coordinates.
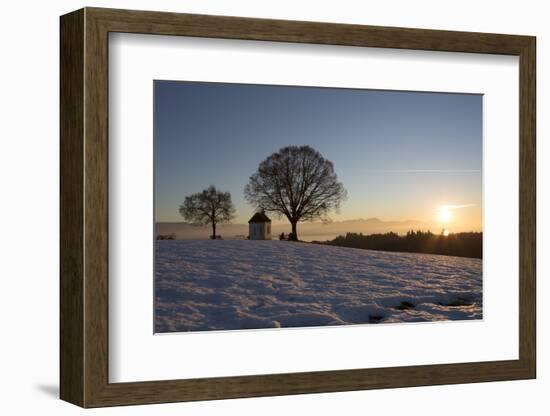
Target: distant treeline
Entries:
(455, 244)
(171, 236)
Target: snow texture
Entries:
(241, 284)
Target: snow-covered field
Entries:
(241, 284)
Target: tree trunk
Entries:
(294, 233)
(213, 230)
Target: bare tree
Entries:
(297, 183)
(208, 207)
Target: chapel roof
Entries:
(259, 217)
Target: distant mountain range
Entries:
(306, 230)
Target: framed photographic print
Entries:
(255, 207)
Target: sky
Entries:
(400, 155)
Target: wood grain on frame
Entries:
(84, 207)
(71, 219)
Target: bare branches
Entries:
(297, 183)
(208, 207)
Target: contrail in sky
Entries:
(430, 171)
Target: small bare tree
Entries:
(208, 207)
(297, 183)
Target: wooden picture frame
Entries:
(84, 207)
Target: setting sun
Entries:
(444, 214)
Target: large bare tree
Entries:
(298, 183)
(208, 207)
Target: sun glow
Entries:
(444, 214)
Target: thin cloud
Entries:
(430, 171)
(453, 207)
